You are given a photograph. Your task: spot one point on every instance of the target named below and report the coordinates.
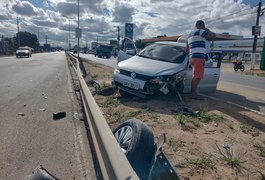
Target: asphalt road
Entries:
(235, 87)
(31, 90)
(244, 90)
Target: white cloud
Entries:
(98, 18)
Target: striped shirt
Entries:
(197, 43)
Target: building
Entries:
(239, 48)
(4, 46)
(232, 46)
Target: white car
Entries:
(161, 67)
(23, 51)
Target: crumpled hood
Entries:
(151, 67)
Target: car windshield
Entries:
(164, 52)
(23, 48)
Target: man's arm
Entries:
(211, 35)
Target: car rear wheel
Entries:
(137, 142)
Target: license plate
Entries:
(131, 84)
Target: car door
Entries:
(210, 79)
(125, 53)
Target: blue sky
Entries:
(151, 18)
(42, 4)
(252, 2)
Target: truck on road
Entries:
(103, 51)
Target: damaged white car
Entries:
(161, 67)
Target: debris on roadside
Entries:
(40, 173)
(21, 114)
(45, 97)
(59, 115)
(102, 91)
(42, 109)
(226, 145)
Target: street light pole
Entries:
(260, 12)
(18, 36)
(78, 29)
(118, 38)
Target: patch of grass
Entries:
(206, 117)
(94, 76)
(229, 157)
(135, 113)
(130, 114)
(188, 119)
(176, 144)
(250, 130)
(261, 149)
(111, 101)
(103, 84)
(203, 162)
(151, 114)
(202, 117)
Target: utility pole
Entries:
(46, 39)
(118, 38)
(69, 42)
(78, 29)
(256, 33)
(18, 36)
(38, 40)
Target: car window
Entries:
(164, 52)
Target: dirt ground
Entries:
(221, 142)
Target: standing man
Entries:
(197, 45)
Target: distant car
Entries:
(160, 68)
(23, 51)
(226, 57)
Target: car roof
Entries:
(172, 43)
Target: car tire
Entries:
(137, 142)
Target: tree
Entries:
(28, 39)
(139, 44)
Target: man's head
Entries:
(200, 24)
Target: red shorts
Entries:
(197, 65)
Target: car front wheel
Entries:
(137, 143)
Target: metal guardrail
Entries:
(113, 163)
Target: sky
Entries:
(98, 19)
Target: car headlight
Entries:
(160, 79)
(179, 76)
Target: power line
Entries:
(222, 18)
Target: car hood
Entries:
(151, 67)
(24, 51)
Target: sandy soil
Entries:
(222, 142)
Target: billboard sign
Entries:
(129, 30)
(256, 30)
